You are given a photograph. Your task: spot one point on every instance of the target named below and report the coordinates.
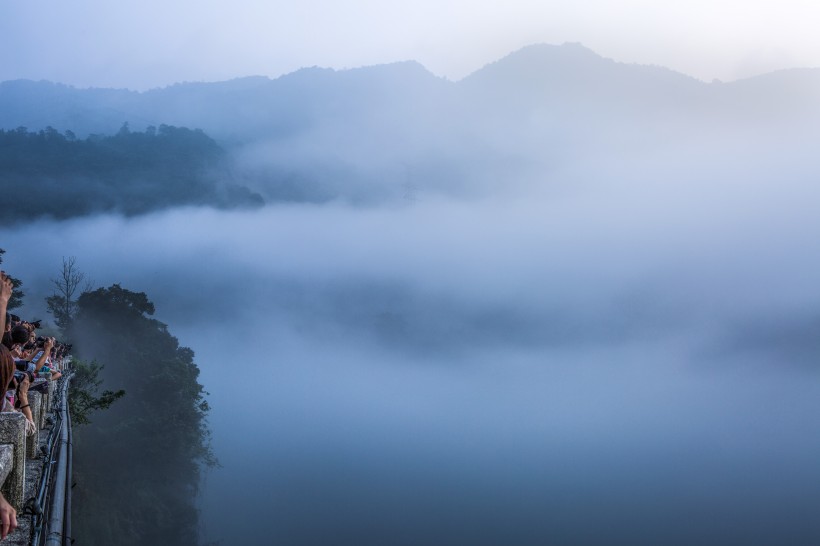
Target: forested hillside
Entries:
(48, 173)
(138, 464)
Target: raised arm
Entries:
(22, 396)
(47, 345)
(5, 295)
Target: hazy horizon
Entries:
(488, 62)
(145, 45)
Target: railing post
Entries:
(35, 401)
(13, 431)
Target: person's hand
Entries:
(49, 344)
(8, 518)
(5, 287)
(22, 390)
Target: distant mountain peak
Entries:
(571, 66)
(543, 55)
(567, 48)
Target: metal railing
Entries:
(51, 507)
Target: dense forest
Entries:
(48, 173)
(137, 465)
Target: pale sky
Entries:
(151, 43)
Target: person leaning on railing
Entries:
(16, 398)
(8, 515)
(40, 353)
(43, 349)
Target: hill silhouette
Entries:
(56, 174)
(366, 134)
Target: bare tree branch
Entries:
(62, 304)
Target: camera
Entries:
(19, 376)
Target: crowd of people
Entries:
(27, 362)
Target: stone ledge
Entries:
(6, 461)
(13, 431)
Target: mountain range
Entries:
(319, 133)
(534, 77)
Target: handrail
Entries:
(52, 505)
(69, 478)
(56, 516)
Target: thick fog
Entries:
(619, 349)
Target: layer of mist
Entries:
(586, 368)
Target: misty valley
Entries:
(563, 300)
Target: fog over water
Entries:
(626, 354)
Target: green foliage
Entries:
(138, 464)
(55, 174)
(60, 309)
(82, 397)
(16, 299)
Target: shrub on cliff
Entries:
(138, 464)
